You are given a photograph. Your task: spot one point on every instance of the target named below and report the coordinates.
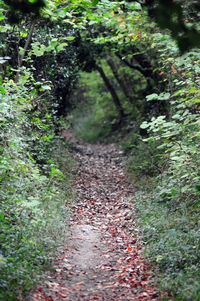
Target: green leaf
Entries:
(45, 87)
(69, 38)
(2, 218)
(164, 96)
(21, 50)
(2, 90)
(135, 6)
(144, 125)
(5, 28)
(95, 2)
(3, 260)
(195, 204)
(61, 47)
(54, 42)
(153, 96)
(175, 158)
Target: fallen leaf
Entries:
(129, 249)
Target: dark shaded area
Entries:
(18, 7)
(170, 15)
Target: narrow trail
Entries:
(102, 259)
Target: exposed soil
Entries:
(102, 259)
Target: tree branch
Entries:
(112, 92)
(131, 65)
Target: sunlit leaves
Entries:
(135, 5)
(39, 49)
(161, 96)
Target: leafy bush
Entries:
(179, 146)
(34, 200)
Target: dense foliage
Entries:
(35, 164)
(35, 189)
(108, 68)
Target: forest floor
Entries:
(102, 258)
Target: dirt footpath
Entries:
(102, 258)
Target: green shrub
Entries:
(178, 141)
(34, 197)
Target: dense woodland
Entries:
(122, 71)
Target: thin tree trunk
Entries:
(119, 80)
(21, 56)
(112, 92)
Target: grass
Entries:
(172, 243)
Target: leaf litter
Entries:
(102, 258)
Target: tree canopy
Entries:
(168, 14)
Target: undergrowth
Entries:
(142, 158)
(91, 125)
(167, 160)
(36, 190)
(171, 241)
(168, 207)
(168, 214)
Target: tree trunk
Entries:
(119, 80)
(21, 56)
(112, 92)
